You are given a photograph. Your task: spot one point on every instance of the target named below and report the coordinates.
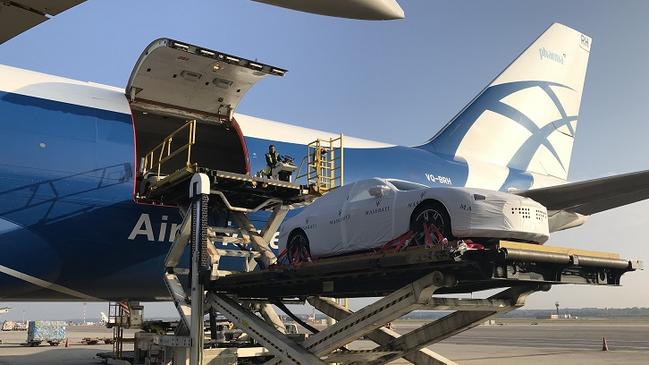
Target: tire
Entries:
(297, 247)
(430, 212)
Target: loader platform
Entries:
(241, 190)
(506, 264)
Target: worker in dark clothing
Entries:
(272, 159)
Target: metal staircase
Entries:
(251, 247)
(323, 165)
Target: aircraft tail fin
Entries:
(527, 117)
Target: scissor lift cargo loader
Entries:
(416, 275)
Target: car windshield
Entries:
(406, 185)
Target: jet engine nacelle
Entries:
(354, 9)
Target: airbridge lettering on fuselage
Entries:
(167, 231)
(145, 228)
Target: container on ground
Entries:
(52, 332)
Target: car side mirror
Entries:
(378, 191)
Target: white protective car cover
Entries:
(351, 219)
(501, 215)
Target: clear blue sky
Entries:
(397, 81)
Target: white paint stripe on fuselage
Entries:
(61, 89)
(485, 175)
(98, 96)
(45, 284)
(282, 132)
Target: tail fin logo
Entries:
(552, 56)
(525, 120)
(540, 135)
(460, 137)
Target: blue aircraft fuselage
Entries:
(70, 228)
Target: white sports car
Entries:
(369, 213)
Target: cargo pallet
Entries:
(505, 264)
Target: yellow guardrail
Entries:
(324, 164)
(164, 151)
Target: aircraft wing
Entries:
(594, 196)
(20, 15)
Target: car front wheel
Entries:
(297, 248)
(433, 215)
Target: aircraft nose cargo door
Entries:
(183, 98)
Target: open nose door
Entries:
(193, 81)
(182, 100)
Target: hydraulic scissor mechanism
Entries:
(217, 228)
(208, 236)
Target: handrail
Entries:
(300, 167)
(164, 149)
(324, 167)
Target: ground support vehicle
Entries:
(52, 332)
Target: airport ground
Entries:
(510, 341)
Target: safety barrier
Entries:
(164, 151)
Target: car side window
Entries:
(362, 195)
(335, 197)
(362, 190)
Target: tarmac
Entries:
(531, 341)
(12, 352)
(507, 342)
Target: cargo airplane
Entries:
(72, 151)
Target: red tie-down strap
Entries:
(282, 259)
(398, 243)
(402, 241)
(282, 256)
(473, 245)
(297, 258)
(429, 230)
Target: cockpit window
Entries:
(406, 185)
